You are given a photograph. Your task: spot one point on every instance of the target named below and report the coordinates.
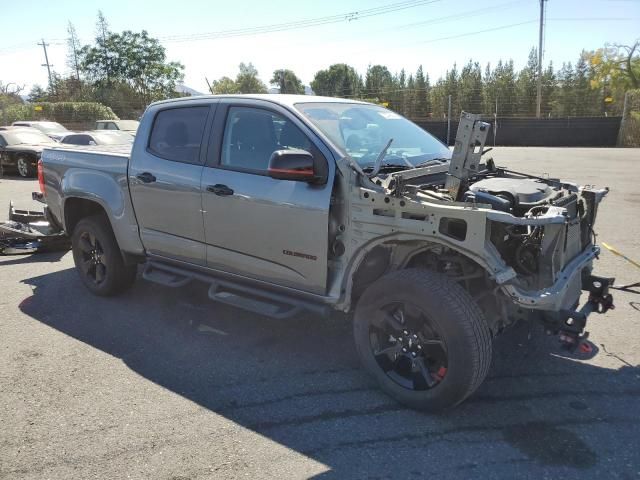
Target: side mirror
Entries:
(292, 164)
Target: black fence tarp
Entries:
(540, 132)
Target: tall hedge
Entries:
(73, 115)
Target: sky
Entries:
(435, 34)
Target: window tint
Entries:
(177, 133)
(251, 135)
(77, 140)
(112, 126)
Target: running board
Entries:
(239, 295)
(164, 277)
(252, 300)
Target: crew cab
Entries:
(284, 203)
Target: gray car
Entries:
(286, 203)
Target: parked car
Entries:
(52, 129)
(285, 203)
(130, 126)
(20, 150)
(99, 137)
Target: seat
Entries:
(252, 140)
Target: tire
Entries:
(441, 349)
(98, 258)
(24, 168)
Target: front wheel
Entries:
(423, 338)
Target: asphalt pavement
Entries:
(161, 383)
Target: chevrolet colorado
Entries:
(284, 203)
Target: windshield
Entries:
(49, 127)
(112, 138)
(362, 131)
(26, 137)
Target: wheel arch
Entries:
(402, 250)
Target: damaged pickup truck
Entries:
(287, 203)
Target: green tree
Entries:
(470, 88)
(527, 86)
(549, 86)
(38, 94)
(287, 81)
(614, 70)
(247, 80)
(339, 80)
(588, 100)
(224, 85)
(133, 63)
(564, 99)
(73, 50)
(378, 82)
(422, 93)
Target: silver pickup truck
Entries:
(285, 203)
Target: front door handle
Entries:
(146, 177)
(219, 189)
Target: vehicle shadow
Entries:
(298, 383)
(44, 257)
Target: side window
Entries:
(3, 142)
(112, 126)
(251, 135)
(76, 140)
(100, 126)
(177, 133)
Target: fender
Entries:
(111, 192)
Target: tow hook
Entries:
(572, 334)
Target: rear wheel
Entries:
(98, 258)
(423, 338)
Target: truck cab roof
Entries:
(287, 100)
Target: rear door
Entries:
(164, 178)
(257, 226)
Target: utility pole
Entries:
(540, 40)
(47, 64)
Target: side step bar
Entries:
(255, 300)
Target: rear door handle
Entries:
(146, 177)
(219, 189)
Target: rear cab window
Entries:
(177, 133)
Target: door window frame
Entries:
(216, 138)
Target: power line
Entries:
(305, 23)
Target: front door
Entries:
(257, 226)
(164, 179)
